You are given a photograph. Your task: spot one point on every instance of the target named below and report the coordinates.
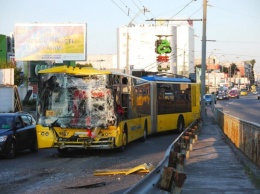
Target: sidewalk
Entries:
(216, 166)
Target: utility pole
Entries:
(184, 67)
(203, 60)
(127, 37)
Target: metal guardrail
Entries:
(244, 135)
(168, 176)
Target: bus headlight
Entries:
(45, 133)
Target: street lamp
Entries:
(203, 59)
(127, 70)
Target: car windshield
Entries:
(6, 122)
(207, 96)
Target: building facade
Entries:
(136, 46)
(101, 61)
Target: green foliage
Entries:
(253, 63)
(18, 79)
(225, 69)
(6, 65)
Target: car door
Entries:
(29, 130)
(20, 134)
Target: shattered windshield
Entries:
(75, 101)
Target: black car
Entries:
(17, 132)
(222, 95)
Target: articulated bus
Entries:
(175, 103)
(81, 107)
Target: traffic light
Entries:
(160, 68)
(162, 59)
(157, 44)
(162, 47)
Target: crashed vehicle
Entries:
(79, 108)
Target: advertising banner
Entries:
(50, 42)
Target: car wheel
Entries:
(180, 125)
(34, 147)
(11, 150)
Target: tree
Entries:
(19, 77)
(225, 69)
(252, 74)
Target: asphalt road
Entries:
(246, 107)
(48, 172)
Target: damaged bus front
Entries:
(76, 108)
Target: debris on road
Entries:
(144, 168)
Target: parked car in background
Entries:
(17, 132)
(233, 94)
(243, 92)
(222, 95)
(209, 98)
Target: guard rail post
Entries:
(186, 145)
(195, 131)
(191, 137)
(172, 180)
(171, 168)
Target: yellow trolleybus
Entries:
(175, 102)
(88, 108)
(97, 109)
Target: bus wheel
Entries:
(63, 151)
(180, 125)
(124, 140)
(143, 139)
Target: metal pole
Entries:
(127, 51)
(203, 60)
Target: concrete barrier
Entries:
(244, 135)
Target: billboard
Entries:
(3, 48)
(50, 42)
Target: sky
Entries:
(234, 25)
